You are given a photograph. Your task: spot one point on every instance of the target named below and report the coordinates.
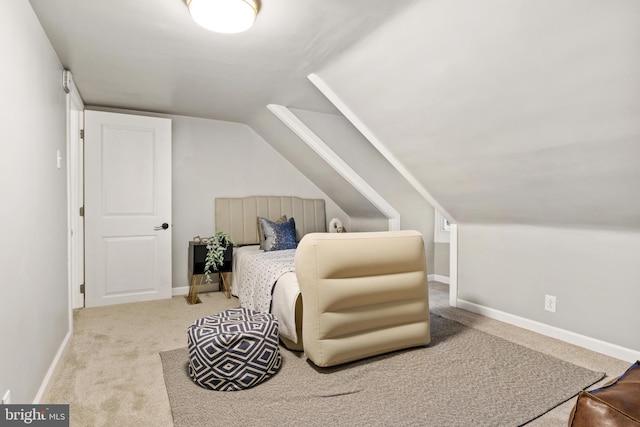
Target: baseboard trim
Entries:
(589, 343)
(46, 382)
(440, 278)
(182, 290)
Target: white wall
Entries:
(34, 298)
(595, 276)
(223, 159)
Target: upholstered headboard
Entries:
(238, 216)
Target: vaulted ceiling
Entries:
(524, 111)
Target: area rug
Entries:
(466, 377)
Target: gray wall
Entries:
(223, 159)
(441, 259)
(594, 274)
(34, 294)
(497, 140)
(352, 147)
(214, 158)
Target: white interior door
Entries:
(127, 208)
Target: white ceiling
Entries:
(521, 112)
(506, 111)
(150, 55)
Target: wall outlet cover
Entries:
(550, 303)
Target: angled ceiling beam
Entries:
(336, 162)
(367, 133)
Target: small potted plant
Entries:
(217, 247)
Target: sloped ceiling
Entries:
(524, 111)
(313, 166)
(414, 211)
(507, 111)
(149, 55)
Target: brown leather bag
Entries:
(616, 404)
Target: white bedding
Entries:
(259, 275)
(241, 255)
(285, 290)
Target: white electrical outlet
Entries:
(6, 399)
(550, 303)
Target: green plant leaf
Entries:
(216, 248)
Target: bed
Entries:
(337, 296)
(238, 218)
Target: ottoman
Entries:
(615, 404)
(233, 350)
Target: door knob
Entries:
(164, 226)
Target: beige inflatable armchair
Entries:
(363, 294)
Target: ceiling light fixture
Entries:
(224, 16)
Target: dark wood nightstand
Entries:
(197, 257)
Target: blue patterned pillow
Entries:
(278, 237)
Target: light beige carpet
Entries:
(111, 373)
(464, 378)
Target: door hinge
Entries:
(81, 210)
(81, 133)
(82, 288)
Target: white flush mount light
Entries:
(224, 16)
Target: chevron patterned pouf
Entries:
(233, 350)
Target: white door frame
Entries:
(453, 266)
(75, 185)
